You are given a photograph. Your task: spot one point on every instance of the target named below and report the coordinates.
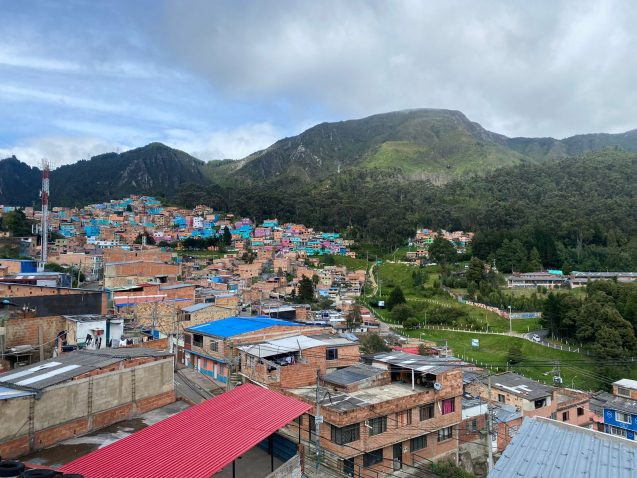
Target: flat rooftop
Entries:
(521, 386)
(344, 402)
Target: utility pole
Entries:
(489, 431)
(510, 322)
(318, 420)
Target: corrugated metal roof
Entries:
(424, 364)
(60, 369)
(352, 374)
(282, 346)
(545, 448)
(197, 442)
(238, 325)
(196, 307)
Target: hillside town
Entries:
(212, 323)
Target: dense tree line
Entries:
(605, 319)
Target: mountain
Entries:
(429, 144)
(19, 183)
(153, 169)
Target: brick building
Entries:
(212, 347)
(397, 412)
(79, 392)
(293, 361)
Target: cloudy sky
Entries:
(222, 79)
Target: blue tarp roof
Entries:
(238, 325)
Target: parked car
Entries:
(536, 338)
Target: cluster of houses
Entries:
(79, 357)
(425, 237)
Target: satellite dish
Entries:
(437, 387)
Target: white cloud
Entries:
(223, 144)
(525, 68)
(60, 150)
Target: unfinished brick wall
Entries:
(24, 331)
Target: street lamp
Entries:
(510, 321)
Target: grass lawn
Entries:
(401, 275)
(584, 374)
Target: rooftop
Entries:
(232, 326)
(605, 400)
(67, 366)
(429, 364)
(282, 346)
(626, 383)
(352, 374)
(197, 307)
(521, 386)
(551, 449)
(344, 402)
(90, 317)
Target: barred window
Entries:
(346, 434)
(377, 425)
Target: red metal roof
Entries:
(197, 442)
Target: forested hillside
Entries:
(580, 212)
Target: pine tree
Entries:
(395, 297)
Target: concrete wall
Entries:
(79, 406)
(289, 469)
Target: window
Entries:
(624, 392)
(553, 416)
(565, 416)
(377, 425)
(445, 433)
(408, 414)
(372, 458)
(540, 403)
(623, 417)
(186, 318)
(472, 426)
(197, 340)
(501, 398)
(214, 346)
(617, 431)
(580, 411)
(418, 443)
(331, 354)
(448, 406)
(426, 412)
(346, 434)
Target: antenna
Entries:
(44, 193)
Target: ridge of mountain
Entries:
(436, 145)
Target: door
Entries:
(398, 456)
(348, 467)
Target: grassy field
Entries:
(537, 363)
(392, 275)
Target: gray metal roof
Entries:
(603, 400)
(352, 374)
(67, 366)
(89, 317)
(423, 364)
(521, 386)
(196, 307)
(545, 448)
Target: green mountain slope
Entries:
(19, 183)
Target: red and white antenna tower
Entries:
(45, 213)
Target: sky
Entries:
(222, 79)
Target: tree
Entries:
(534, 263)
(354, 318)
(306, 290)
(227, 236)
(475, 271)
(442, 251)
(16, 223)
(411, 323)
(372, 343)
(150, 240)
(395, 297)
(514, 355)
(422, 350)
(401, 312)
(315, 279)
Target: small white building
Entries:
(94, 331)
